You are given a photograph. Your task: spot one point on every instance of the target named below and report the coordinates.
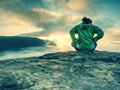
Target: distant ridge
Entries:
(17, 42)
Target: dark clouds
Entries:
(52, 15)
(25, 8)
(17, 43)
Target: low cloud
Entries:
(113, 36)
(110, 42)
(16, 43)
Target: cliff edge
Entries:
(71, 70)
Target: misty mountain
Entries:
(17, 42)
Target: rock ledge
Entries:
(71, 70)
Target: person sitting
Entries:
(85, 31)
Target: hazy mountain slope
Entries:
(17, 42)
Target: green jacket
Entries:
(86, 38)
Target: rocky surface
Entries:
(71, 70)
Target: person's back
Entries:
(86, 39)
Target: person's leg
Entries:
(95, 45)
(74, 45)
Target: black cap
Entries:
(86, 20)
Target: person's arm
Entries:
(73, 31)
(99, 33)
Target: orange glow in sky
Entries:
(62, 40)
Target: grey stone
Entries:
(99, 70)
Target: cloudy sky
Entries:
(53, 19)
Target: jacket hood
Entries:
(85, 26)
